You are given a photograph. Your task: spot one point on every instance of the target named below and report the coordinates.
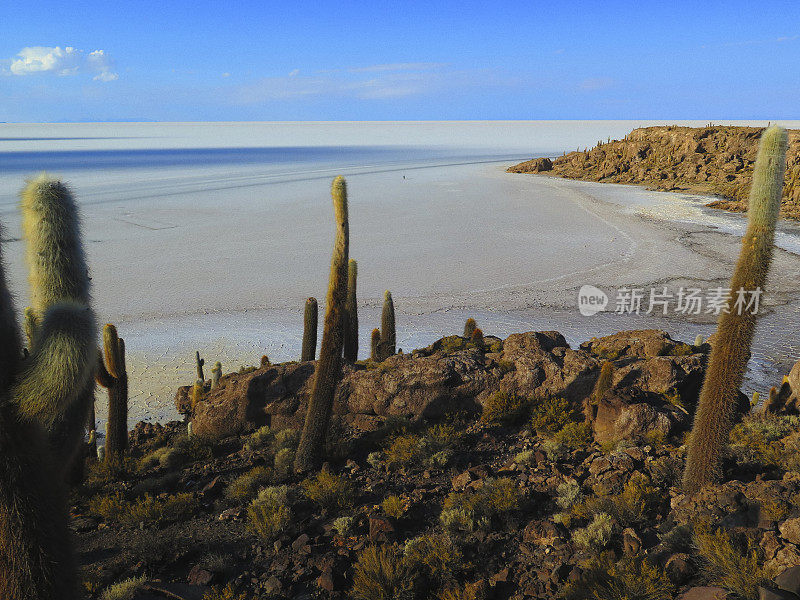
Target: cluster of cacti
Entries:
(328, 371)
(216, 374)
(469, 327)
(731, 349)
(112, 374)
(310, 321)
(351, 315)
(44, 398)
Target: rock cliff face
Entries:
(656, 384)
(705, 160)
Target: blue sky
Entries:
(338, 60)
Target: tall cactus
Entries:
(375, 345)
(351, 314)
(310, 321)
(56, 384)
(329, 367)
(731, 349)
(216, 374)
(469, 327)
(112, 374)
(44, 399)
(200, 362)
(388, 335)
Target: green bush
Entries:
(394, 506)
(330, 491)
(551, 414)
(269, 514)
(735, 567)
(381, 574)
(595, 536)
(124, 590)
(262, 437)
(115, 509)
(469, 510)
(246, 486)
(434, 557)
(504, 408)
(574, 435)
(630, 578)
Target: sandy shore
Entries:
(229, 275)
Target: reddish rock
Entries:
(380, 529)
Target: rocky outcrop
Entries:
(706, 160)
(656, 383)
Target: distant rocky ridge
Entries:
(714, 160)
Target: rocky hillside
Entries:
(467, 470)
(706, 160)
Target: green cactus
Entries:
(310, 321)
(55, 386)
(329, 368)
(44, 399)
(200, 362)
(113, 375)
(351, 315)
(197, 393)
(375, 345)
(604, 381)
(388, 335)
(216, 374)
(469, 327)
(731, 349)
(477, 336)
(698, 341)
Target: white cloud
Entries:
(294, 72)
(63, 62)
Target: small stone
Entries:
(380, 529)
(199, 576)
(704, 593)
(790, 530)
(301, 541)
(461, 481)
(679, 568)
(772, 594)
(631, 543)
(325, 581)
(789, 580)
(272, 586)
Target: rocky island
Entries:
(713, 160)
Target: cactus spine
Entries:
(112, 375)
(388, 335)
(731, 350)
(45, 399)
(310, 321)
(351, 315)
(200, 362)
(328, 372)
(469, 327)
(216, 374)
(375, 345)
